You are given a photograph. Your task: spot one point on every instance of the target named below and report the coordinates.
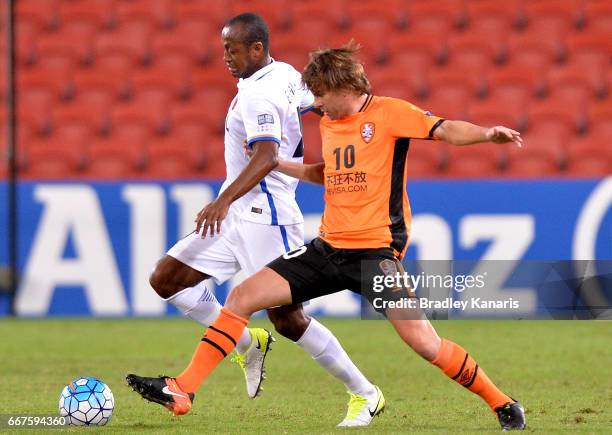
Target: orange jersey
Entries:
(366, 204)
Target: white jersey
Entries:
(267, 107)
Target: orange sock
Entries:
(219, 339)
(458, 365)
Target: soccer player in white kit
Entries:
(255, 219)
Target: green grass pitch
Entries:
(561, 371)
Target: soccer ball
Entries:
(86, 401)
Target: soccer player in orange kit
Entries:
(366, 217)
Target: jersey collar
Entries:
(257, 74)
(366, 103)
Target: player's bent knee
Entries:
(291, 322)
(285, 327)
(160, 283)
(239, 302)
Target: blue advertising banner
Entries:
(88, 248)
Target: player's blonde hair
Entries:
(334, 69)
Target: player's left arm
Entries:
(264, 159)
(466, 133)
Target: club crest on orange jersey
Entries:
(367, 131)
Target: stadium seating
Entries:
(590, 156)
(477, 161)
(168, 157)
(109, 158)
(106, 77)
(426, 158)
(52, 158)
(101, 14)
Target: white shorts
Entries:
(242, 245)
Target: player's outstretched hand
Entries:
(210, 217)
(500, 134)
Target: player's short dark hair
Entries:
(254, 29)
(334, 69)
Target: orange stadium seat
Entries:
(191, 38)
(133, 36)
(590, 48)
(53, 80)
(110, 158)
(317, 26)
(398, 84)
(132, 129)
(114, 62)
(214, 101)
(513, 96)
(432, 26)
(408, 51)
(436, 18)
(101, 13)
(52, 158)
(490, 113)
(447, 102)
(546, 125)
(27, 34)
(293, 51)
(598, 16)
(473, 52)
(415, 61)
(73, 135)
(370, 25)
(168, 158)
(530, 79)
(393, 12)
(425, 158)
(550, 46)
(73, 37)
(151, 107)
(334, 16)
(160, 81)
(77, 114)
(374, 47)
(475, 84)
(158, 12)
(576, 84)
(215, 171)
(546, 140)
(276, 12)
(186, 129)
(216, 12)
(59, 64)
(553, 16)
(476, 161)
(492, 17)
(530, 54)
(531, 164)
(590, 156)
(600, 118)
(45, 12)
(552, 109)
(34, 108)
(95, 80)
(192, 117)
(179, 66)
(514, 8)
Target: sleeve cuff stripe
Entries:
(262, 138)
(436, 125)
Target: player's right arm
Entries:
(312, 173)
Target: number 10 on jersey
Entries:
(345, 155)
